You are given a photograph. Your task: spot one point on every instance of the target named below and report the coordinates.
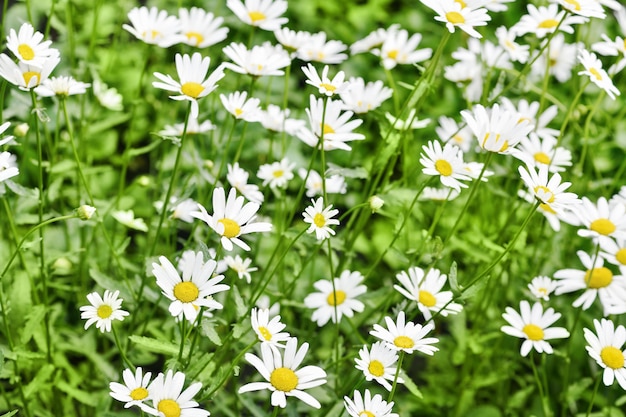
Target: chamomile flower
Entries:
(29, 47)
(598, 76)
(277, 174)
(191, 290)
(399, 48)
(128, 219)
(241, 266)
(614, 251)
(378, 364)
(317, 49)
(261, 60)
(438, 194)
(183, 208)
(553, 217)
(597, 281)
(264, 14)
(334, 301)
(367, 405)
(516, 51)
(292, 40)
(537, 152)
(548, 191)
(544, 20)
(601, 221)
(232, 218)
(606, 346)
(201, 28)
(533, 325)
(373, 40)
(26, 76)
(335, 184)
(320, 218)
(362, 98)
(268, 331)
(325, 85)
(134, 390)
(283, 377)
(107, 96)
(103, 310)
(530, 111)
(410, 123)
(406, 336)
(456, 14)
(561, 59)
(426, 290)
(169, 399)
(446, 163)
(194, 127)
(542, 286)
(61, 87)
(449, 131)
(237, 177)
(193, 84)
(586, 8)
(8, 167)
(153, 26)
(241, 107)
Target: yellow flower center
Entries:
(598, 278)
(336, 298)
(326, 128)
(376, 368)
(186, 291)
(231, 227)
(533, 332)
(328, 87)
(427, 299)
(319, 220)
(104, 311)
(195, 37)
(458, 139)
(443, 167)
(547, 196)
(455, 18)
(152, 34)
(403, 342)
(461, 2)
(366, 414)
(595, 73)
(542, 158)
(548, 24)
(26, 52)
(139, 393)
(278, 173)
(612, 357)
(393, 54)
(621, 256)
(30, 74)
(602, 226)
(192, 89)
(574, 3)
(256, 16)
(265, 333)
(238, 112)
(542, 291)
(284, 379)
(169, 408)
(320, 56)
(546, 207)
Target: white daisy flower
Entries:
(496, 5)
(194, 127)
(410, 123)
(232, 218)
(561, 59)
(446, 163)
(586, 8)
(473, 170)
(457, 14)
(367, 405)
(128, 219)
(268, 331)
(598, 76)
(438, 194)
(241, 107)
(3, 128)
(378, 364)
(335, 184)
(191, 290)
(332, 304)
(27, 46)
(530, 111)
(241, 266)
(264, 14)
(542, 286)
(292, 40)
(320, 218)
(182, 209)
(325, 85)
(277, 174)
(61, 87)
(237, 177)
(407, 337)
(449, 131)
(426, 290)
(548, 191)
(516, 51)
(536, 152)
(153, 26)
(399, 48)
(8, 167)
(605, 347)
(553, 217)
(283, 377)
(261, 60)
(362, 98)
(373, 40)
(277, 120)
(533, 325)
(614, 251)
(317, 49)
(201, 28)
(544, 20)
(263, 303)
(107, 96)
(601, 221)
(134, 390)
(26, 76)
(193, 84)
(597, 281)
(169, 399)
(103, 310)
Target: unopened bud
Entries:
(85, 212)
(376, 203)
(21, 130)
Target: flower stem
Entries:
(593, 396)
(395, 377)
(120, 348)
(544, 399)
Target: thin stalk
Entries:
(230, 369)
(183, 337)
(395, 377)
(593, 396)
(49, 20)
(544, 403)
(120, 348)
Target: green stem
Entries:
(395, 377)
(183, 337)
(230, 369)
(275, 412)
(120, 348)
(593, 396)
(544, 400)
(49, 20)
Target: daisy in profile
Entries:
(320, 219)
(317, 49)
(261, 60)
(29, 47)
(134, 390)
(506, 39)
(457, 14)
(241, 266)
(191, 290)
(232, 218)
(284, 379)
(378, 364)
(182, 209)
(335, 184)
(334, 301)
(362, 98)
(264, 14)
(548, 191)
(194, 127)
(426, 289)
(108, 97)
(8, 166)
(103, 310)
(446, 163)
(325, 85)
(367, 405)
(586, 8)
(544, 20)
(275, 119)
(438, 194)
(597, 281)
(406, 336)
(237, 177)
(193, 84)
(541, 287)
(128, 219)
(412, 122)
(373, 40)
(601, 221)
(61, 87)
(606, 346)
(200, 28)
(153, 26)
(241, 107)
(26, 76)
(268, 331)
(277, 174)
(169, 399)
(399, 48)
(533, 325)
(598, 76)
(292, 40)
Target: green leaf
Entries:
(21, 304)
(484, 411)
(41, 379)
(79, 395)
(454, 283)
(144, 149)
(114, 120)
(10, 413)
(240, 305)
(208, 329)
(33, 323)
(410, 385)
(157, 346)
